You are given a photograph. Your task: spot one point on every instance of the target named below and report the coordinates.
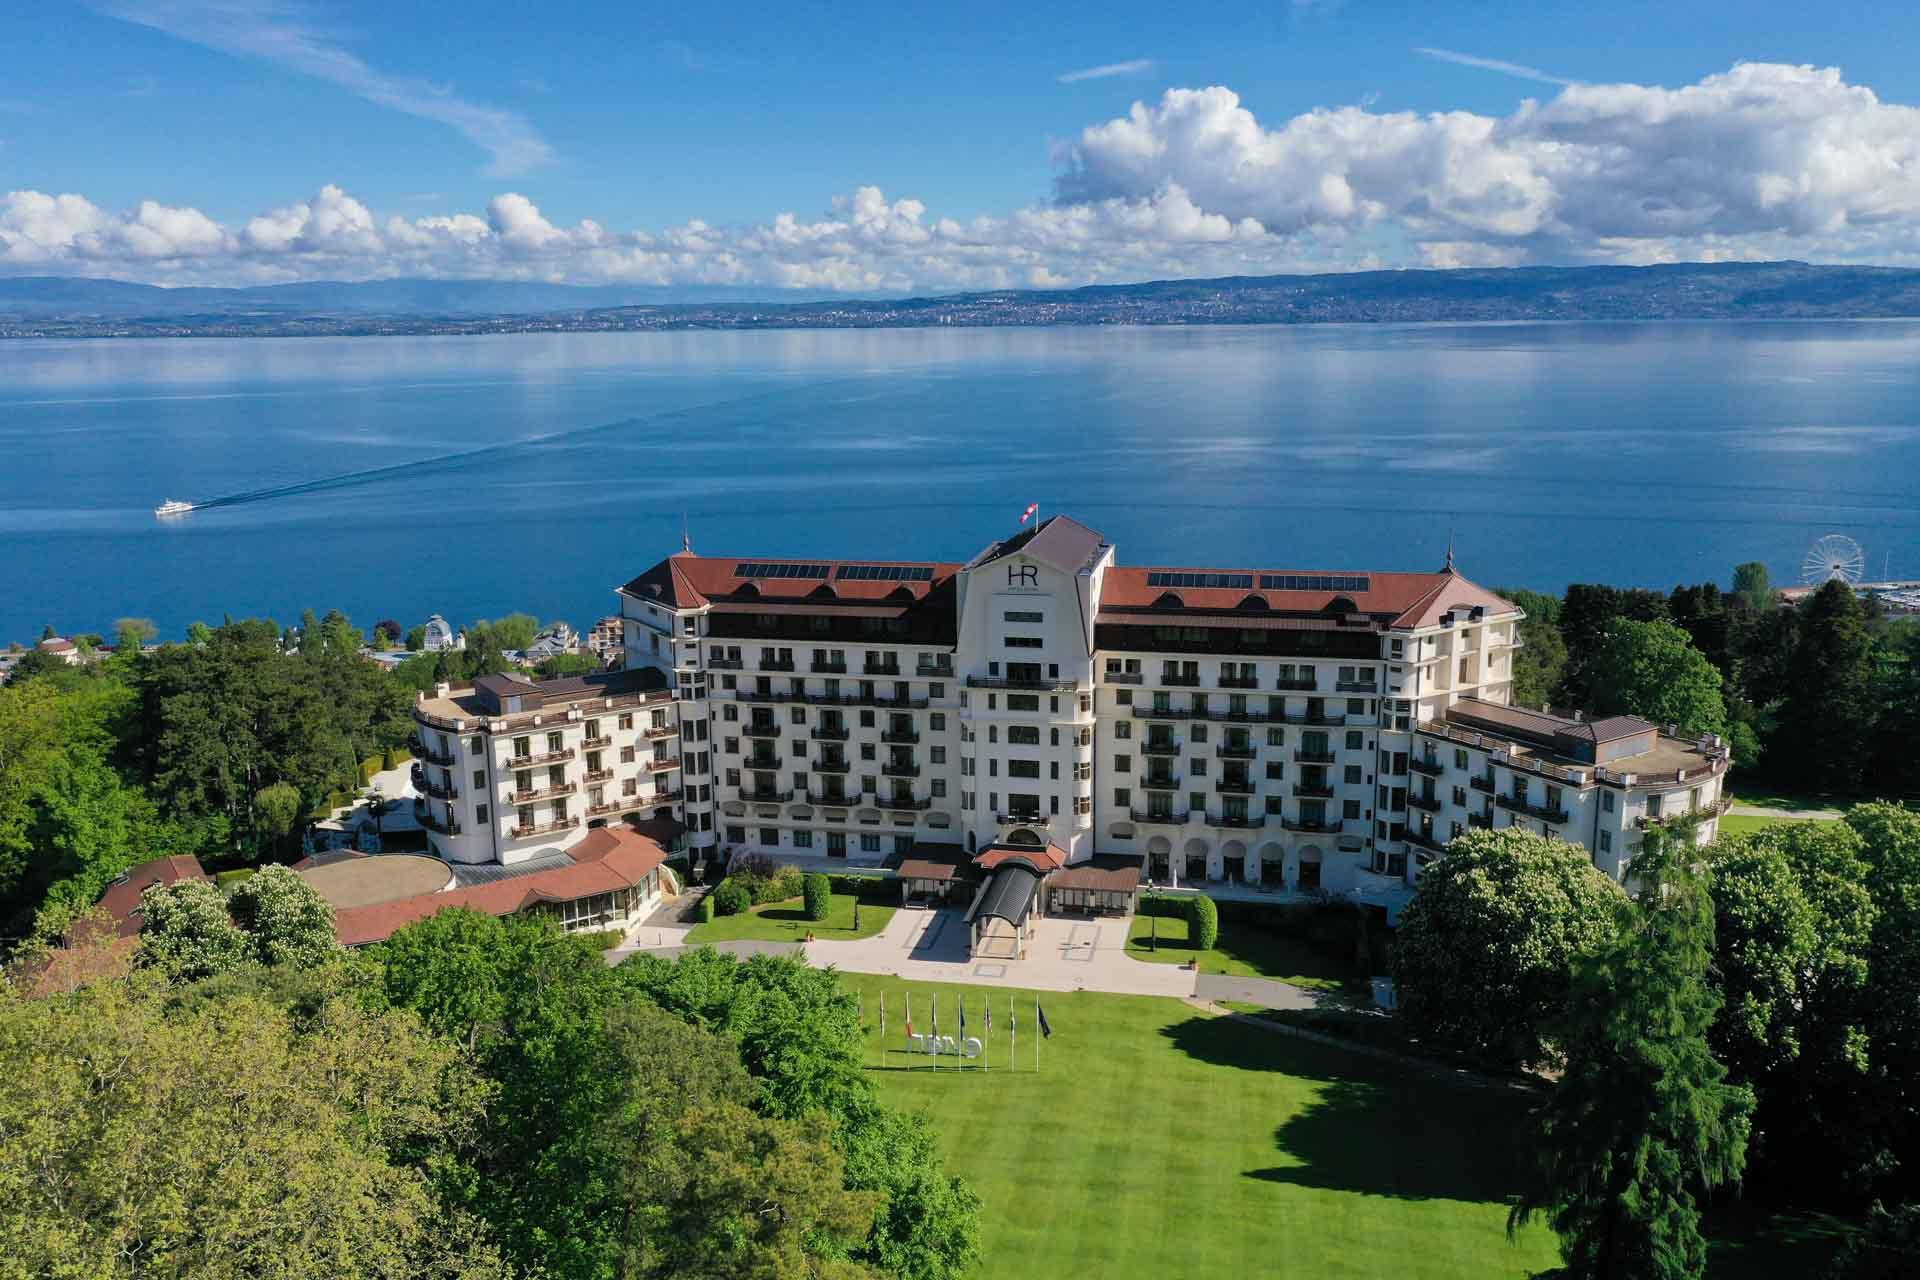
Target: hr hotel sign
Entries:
(1024, 578)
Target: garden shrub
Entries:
(819, 895)
(1203, 923)
(873, 890)
(706, 909)
(397, 757)
(731, 897)
(370, 766)
(784, 883)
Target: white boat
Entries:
(173, 507)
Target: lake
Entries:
(536, 472)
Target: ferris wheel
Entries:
(1834, 556)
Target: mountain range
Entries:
(45, 306)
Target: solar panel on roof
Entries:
(884, 573)
(1172, 578)
(1314, 582)
(758, 570)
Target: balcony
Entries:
(761, 763)
(820, 668)
(1044, 686)
(419, 748)
(423, 782)
(1313, 757)
(1238, 820)
(766, 795)
(423, 814)
(1293, 684)
(1177, 680)
(596, 743)
(1161, 782)
(881, 669)
(1432, 768)
(1164, 817)
(726, 664)
(933, 670)
(830, 733)
(1318, 826)
(1484, 821)
(1357, 686)
(837, 799)
(832, 766)
(602, 810)
(776, 664)
(1431, 843)
(1481, 784)
(1430, 803)
(1314, 790)
(543, 793)
(902, 804)
(835, 699)
(1123, 677)
(599, 775)
(1236, 751)
(656, 732)
(544, 757)
(1034, 819)
(1234, 786)
(661, 763)
(540, 829)
(900, 770)
(1540, 811)
(903, 737)
(1160, 747)
(1239, 682)
(760, 730)
(1316, 718)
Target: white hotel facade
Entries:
(1298, 731)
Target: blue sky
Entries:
(663, 142)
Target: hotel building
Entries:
(1275, 728)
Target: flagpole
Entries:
(1037, 1038)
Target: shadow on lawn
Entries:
(1373, 1127)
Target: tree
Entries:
(1586, 614)
(286, 920)
(514, 632)
(818, 894)
(38, 662)
(1203, 922)
(1793, 924)
(1895, 765)
(1826, 722)
(277, 809)
(228, 1139)
(1538, 666)
(1651, 670)
(199, 633)
(416, 639)
(1890, 837)
(186, 932)
(1753, 586)
(1485, 951)
(131, 633)
(1886, 1247)
(387, 633)
(1643, 1121)
(565, 664)
(1702, 612)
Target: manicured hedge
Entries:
(706, 909)
(397, 757)
(731, 897)
(819, 895)
(875, 890)
(370, 766)
(1203, 922)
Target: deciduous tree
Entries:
(1651, 669)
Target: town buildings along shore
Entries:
(1277, 728)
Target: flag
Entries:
(933, 1015)
(1028, 513)
(1046, 1032)
(883, 1015)
(989, 1017)
(909, 1015)
(961, 1002)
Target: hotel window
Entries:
(1606, 801)
(939, 788)
(480, 815)
(1276, 771)
(1022, 642)
(1353, 774)
(1019, 701)
(799, 746)
(937, 721)
(936, 690)
(1197, 767)
(1274, 806)
(866, 751)
(475, 746)
(1122, 798)
(868, 784)
(1350, 809)
(1653, 806)
(1198, 733)
(736, 835)
(1053, 737)
(770, 835)
(479, 779)
(553, 742)
(1123, 730)
(729, 712)
(1023, 768)
(803, 839)
(1606, 842)
(1015, 615)
(936, 755)
(1276, 737)
(1197, 801)
(869, 842)
(1023, 735)
(799, 781)
(1123, 764)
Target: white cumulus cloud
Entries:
(1761, 161)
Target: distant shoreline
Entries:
(60, 308)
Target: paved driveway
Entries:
(928, 945)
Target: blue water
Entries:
(536, 472)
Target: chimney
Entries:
(442, 689)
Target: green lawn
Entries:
(1158, 1141)
(1765, 797)
(1244, 951)
(786, 921)
(1741, 824)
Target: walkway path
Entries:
(1800, 815)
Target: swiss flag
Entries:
(1028, 513)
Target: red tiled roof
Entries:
(608, 859)
(1407, 599)
(684, 580)
(1047, 859)
(123, 895)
